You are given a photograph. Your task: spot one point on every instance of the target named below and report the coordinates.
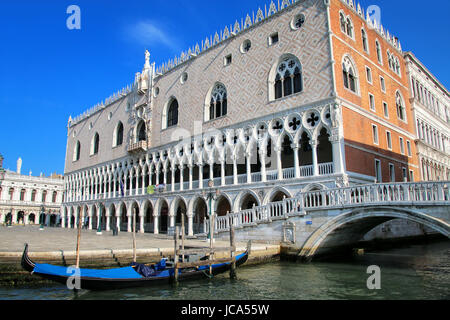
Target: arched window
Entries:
(76, 151)
(364, 40)
(172, 113)
(95, 144)
(219, 102)
(22, 195)
(44, 196)
(343, 22)
(33, 195)
(118, 135)
(397, 66)
(349, 28)
(288, 79)
(349, 75)
(11, 193)
(141, 131)
(390, 60)
(400, 107)
(54, 196)
(379, 55)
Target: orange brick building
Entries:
(372, 84)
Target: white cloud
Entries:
(149, 33)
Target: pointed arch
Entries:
(77, 151)
(216, 103)
(170, 113)
(285, 77)
(118, 135)
(350, 74)
(95, 144)
(400, 105)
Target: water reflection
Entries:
(413, 272)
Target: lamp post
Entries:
(42, 218)
(211, 194)
(9, 223)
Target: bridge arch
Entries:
(275, 194)
(244, 199)
(350, 227)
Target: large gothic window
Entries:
(172, 113)
(76, 151)
(95, 144)
(288, 79)
(141, 132)
(219, 102)
(400, 107)
(379, 55)
(364, 40)
(349, 75)
(118, 137)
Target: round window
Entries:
(246, 46)
(298, 21)
(156, 93)
(184, 77)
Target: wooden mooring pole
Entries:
(175, 276)
(182, 235)
(211, 243)
(232, 251)
(78, 240)
(134, 236)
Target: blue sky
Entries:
(48, 72)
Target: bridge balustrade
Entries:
(376, 194)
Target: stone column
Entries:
(190, 225)
(181, 177)
(222, 171)
(249, 168)
(190, 176)
(172, 220)
(156, 224)
(279, 164)
(262, 157)
(108, 221)
(211, 170)
(314, 158)
(114, 186)
(235, 171)
(173, 178)
(296, 161)
(157, 176)
(165, 175)
(90, 219)
(200, 176)
(130, 218)
(337, 155)
(141, 224)
(63, 220)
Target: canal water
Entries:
(410, 272)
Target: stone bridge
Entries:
(319, 222)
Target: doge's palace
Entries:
(284, 101)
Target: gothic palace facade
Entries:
(304, 95)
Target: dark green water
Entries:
(412, 272)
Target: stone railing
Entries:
(376, 194)
(138, 146)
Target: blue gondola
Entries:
(136, 275)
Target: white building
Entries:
(24, 198)
(430, 103)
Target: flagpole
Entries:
(78, 240)
(134, 235)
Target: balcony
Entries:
(140, 146)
